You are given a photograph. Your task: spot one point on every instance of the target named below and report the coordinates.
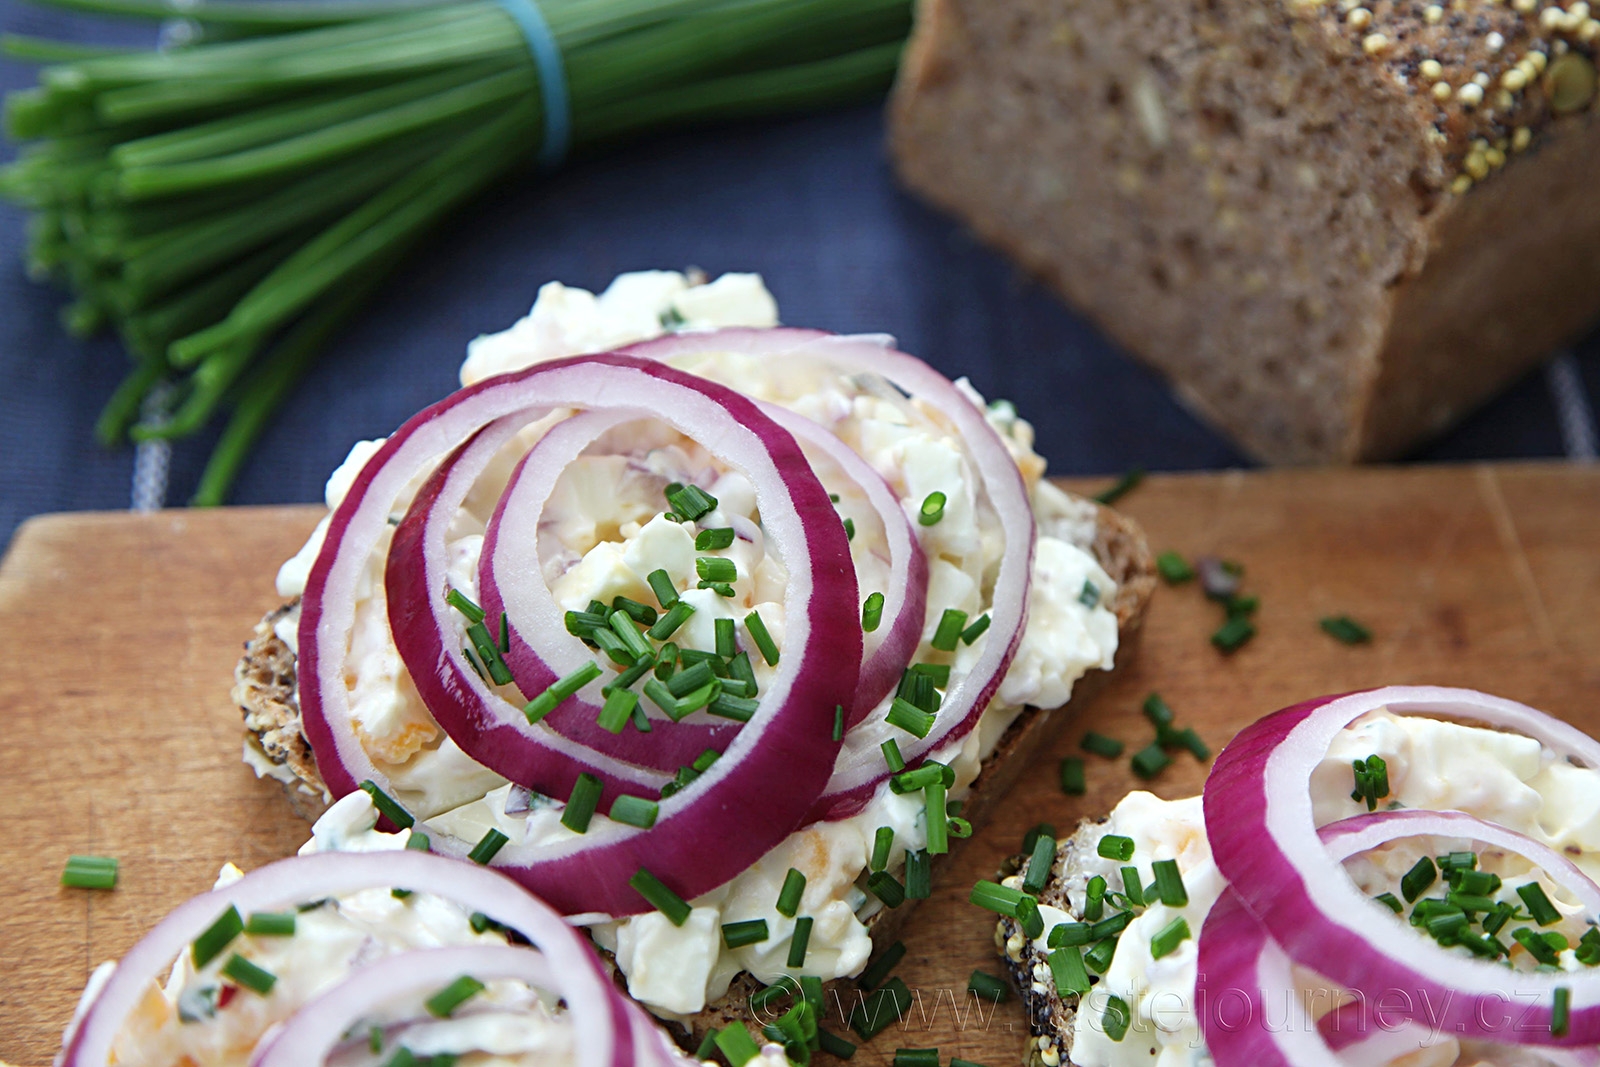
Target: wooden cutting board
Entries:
(120, 634)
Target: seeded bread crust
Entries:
(1336, 228)
(1050, 1015)
(264, 690)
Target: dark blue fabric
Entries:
(808, 202)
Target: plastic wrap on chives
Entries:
(226, 205)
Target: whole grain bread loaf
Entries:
(1336, 228)
(264, 690)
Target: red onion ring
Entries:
(1238, 957)
(860, 769)
(1259, 821)
(770, 773)
(602, 1030)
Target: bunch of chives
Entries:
(225, 205)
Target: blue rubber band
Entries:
(552, 73)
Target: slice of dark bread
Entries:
(1337, 227)
(264, 691)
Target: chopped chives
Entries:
(744, 932)
(387, 806)
(1242, 605)
(720, 588)
(690, 678)
(794, 884)
(910, 718)
(891, 756)
(581, 804)
(887, 1005)
(757, 628)
(627, 631)
(505, 633)
(643, 614)
(849, 529)
(1174, 568)
(916, 1057)
(1560, 1011)
(489, 653)
(641, 721)
(618, 710)
(90, 872)
(1544, 913)
(375, 1039)
(736, 1043)
(810, 986)
(937, 673)
(444, 1003)
(1421, 875)
(1115, 847)
(1169, 938)
(703, 762)
(886, 888)
(668, 903)
(270, 924)
(661, 696)
(625, 679)
(727, 647)
(1187, 738)
(668, 624)
(1110, 927)
(690, 501)
(872, 612)
(662, 586)
(583, 624)
(1132, 887)
(986, 986)
(1150, 761)
(1089, 595)
(1123, 486)
(1094, 898)
(911, 781)
(937, 828)
(472, 661)
(486, 848)
(1072, 777)
(216, 937)
(1098, 957)
(248, 975)
(1029, 917)
(932, 509)
(716, 569)
(739, 668)
(713, 539)
(1115, 1018)
(728, 706)
(1537, 946)
(882, 967)
(551, 698)
(462, 603)
(1169, 884)
(996, 898)
(691, 656)
(1157, 711)
(1069, 934)
(613, 646)
(762, 998)
(1344, 629)
(948, 632)
(1233, 634)
(1040, 864)
(919, 874)
(1101, 745)
(834, 1045)
(975, 631)
(700, 698)
(882, 841)
(799, 942)
(635, 811)
(958, 827)
(1066, 967)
